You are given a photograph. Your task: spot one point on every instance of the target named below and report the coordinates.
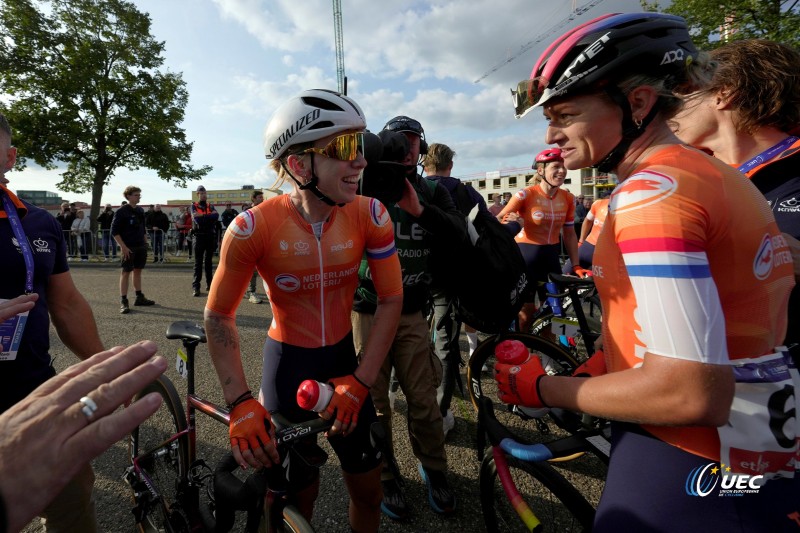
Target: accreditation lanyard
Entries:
(767, 154)
(11, 329)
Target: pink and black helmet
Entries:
(604, 50)
(597, 55)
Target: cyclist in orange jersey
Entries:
(745, 108)
(546, 210)
(307, 245)
(694, 278)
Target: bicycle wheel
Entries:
(166, 464)
(556, 503)
(294, 522)
(555, 359)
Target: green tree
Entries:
(82, 88)
(712, 22)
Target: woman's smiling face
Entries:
(338, 180)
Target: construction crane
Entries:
(341, 79)
(576, 11)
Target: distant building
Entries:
(585, 181)
(234, 196)
(42, 199)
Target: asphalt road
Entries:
(170, 287)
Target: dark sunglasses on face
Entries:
(345, 147)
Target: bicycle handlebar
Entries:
(572, 280)
(501, 436)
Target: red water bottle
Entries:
(511, 352)
(314, 395)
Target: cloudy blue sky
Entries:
(242, 58)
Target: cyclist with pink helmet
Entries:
(545, 210)
(694, 277)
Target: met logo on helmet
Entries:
(590, 51)
(672, 56)
(301, 123)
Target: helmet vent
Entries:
(321, 124)
(321, 103)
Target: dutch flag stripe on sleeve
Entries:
(665, 257)
(381, 252)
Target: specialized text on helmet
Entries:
(301, 123)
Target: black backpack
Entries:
(485, 275)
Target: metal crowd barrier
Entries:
(101, 246)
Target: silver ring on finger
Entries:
(88, 407)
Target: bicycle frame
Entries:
(503, 441)
(188, 491)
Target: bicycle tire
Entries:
(481, 383)
(556, 503)
(294, 521)
(561, 362)
(167, 465)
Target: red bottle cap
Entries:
(511, 352)
(308, 394)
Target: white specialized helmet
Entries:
(309, 116)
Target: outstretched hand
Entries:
(47, 438)
(17, 305)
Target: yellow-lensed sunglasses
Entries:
(345, 147)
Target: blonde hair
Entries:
(439, 157)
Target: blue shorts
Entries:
(286, 366)
(646, 491)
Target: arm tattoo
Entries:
(222, 334)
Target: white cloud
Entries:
(242, 58)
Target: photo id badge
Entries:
(11, 335)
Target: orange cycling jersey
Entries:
(691, 265)
(310, 280)
(597, 216)
(542, 216)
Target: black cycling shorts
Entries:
(646, 490)
(541, 260)
(136, 260)
(286, 366)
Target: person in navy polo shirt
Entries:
(39, 265)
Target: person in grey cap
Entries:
(204, 228)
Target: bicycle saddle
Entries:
(188, 330)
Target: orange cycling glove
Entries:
(349, 394)
(594, 366)
(519, 384)
(581, 272)
(248, 429)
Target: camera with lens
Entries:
(384, 177)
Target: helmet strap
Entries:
(631, 130)
(544, 177)
(311, 185)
